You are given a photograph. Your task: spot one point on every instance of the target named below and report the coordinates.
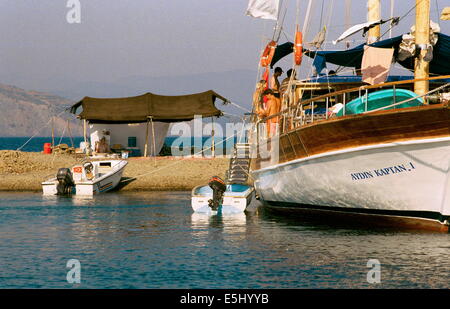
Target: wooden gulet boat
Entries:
(387, 165)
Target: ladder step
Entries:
(238, 173)
(239, 166)
(240, 162)
(243, 179)
(239, 169)
(241, 156)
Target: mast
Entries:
(374, 14)
(421, 67)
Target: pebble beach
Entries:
(24, 171)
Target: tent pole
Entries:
(146, 141)
(213, 143)
(85, 135)
(153, 139)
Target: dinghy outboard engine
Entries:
(218, 186)
(65, 181)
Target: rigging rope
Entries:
(240, 107)
(395, 24)
(307, 16)
(437, 13)
(62, 135)
(60, 140)
(38, 130)
(70, 133)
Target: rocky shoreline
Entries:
(24, 171)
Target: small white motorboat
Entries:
(86, 179)
(220, 198)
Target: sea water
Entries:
(154, 240)
(36, 144)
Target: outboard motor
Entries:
(65, 181)
(218, 186)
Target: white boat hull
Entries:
(101, 184)
(406, 179)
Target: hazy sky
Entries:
(117, 38)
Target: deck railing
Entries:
(302, 113)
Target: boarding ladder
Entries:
(239, 164)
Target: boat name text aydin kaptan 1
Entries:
(383, 171)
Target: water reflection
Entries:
(82, 200)
(229, 221)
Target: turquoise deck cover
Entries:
(380, 99)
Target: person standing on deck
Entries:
(257, 95)
(273, 107)
(288, 94)
(285, 82)
(274, 83)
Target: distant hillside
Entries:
(23, 113)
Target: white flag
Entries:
(266, 9)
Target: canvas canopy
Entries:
(141, 108)
(352, 57)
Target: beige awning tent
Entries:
(445, 13)
(149, 105)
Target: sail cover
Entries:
(141, 108)
(266, 9)
(353, 57)
(282, 51)
(357, 28)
